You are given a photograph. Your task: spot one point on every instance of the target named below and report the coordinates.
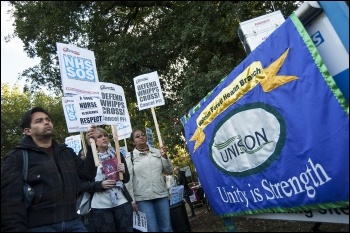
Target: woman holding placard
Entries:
(147, 186)
(111, 207)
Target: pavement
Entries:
(198, 208)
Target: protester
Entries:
(54, 171)
(147, 186)
(92, 187)
(111, 206)
(181, 179)
(81, 154)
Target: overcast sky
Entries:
(13, 58)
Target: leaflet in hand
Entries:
(140, 221)
(109, 167)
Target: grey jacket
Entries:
(147, 180)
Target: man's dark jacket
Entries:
(56, 185)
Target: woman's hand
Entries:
(91, 133)
(163, 152)
(121, 167)
(135, 208)
(108, 184)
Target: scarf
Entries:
(116, 191)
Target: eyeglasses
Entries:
(140, 135)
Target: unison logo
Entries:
(248, 139)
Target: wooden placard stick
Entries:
(82, 138)
(126, 146)
(117, 149)
(157, 128)
(94, 150)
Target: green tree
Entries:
(192, 45)
(14, 103)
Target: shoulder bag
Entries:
(84, 203)
(28, 191)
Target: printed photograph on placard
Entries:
(109, 167)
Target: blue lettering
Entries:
(317, 38)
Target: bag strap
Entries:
(132, 157)
(25, 164)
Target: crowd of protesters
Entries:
(57, 176)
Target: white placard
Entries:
(122, 150)
(89, 110)
(78, 70)
(176, 194)
(148, 91)
(124, 130)
(74, 142)
(255, 31)
(70, 114)
(140, 221)
(113, 104)
(150, 139)
(193, 198)
(170, 181)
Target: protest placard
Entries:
(148, 91)
(70, 114)
(88, 109)
(113, 104)
(149, 95)
(149, 134)
(176, 194)
(78, 70)
(123, 150)
(74, 142)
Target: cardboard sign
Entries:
(176, 194)
(74, 142)
(148, 91)
(89, 110)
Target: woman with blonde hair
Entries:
(111, 206)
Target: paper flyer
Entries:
(140, 221)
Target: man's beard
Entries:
(47, 135)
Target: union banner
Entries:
(273, 135)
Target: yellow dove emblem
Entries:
(242, 84)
